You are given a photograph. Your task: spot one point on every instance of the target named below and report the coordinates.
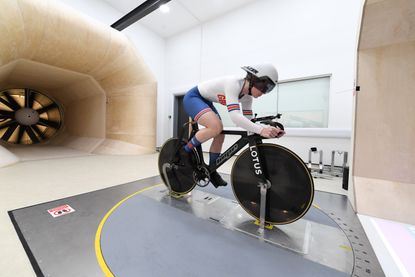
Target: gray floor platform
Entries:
(135, 229)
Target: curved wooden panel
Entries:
(384, 144)
(49, 34)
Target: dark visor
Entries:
(264, 84)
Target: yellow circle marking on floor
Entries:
(98, 251)
(348, 248)
(316, 206)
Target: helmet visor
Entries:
(265, 85)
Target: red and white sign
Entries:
(61, 210)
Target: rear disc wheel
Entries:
(179, 172)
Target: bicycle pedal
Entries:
(266, 226)
(202, 183)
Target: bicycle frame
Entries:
(249, 173)
(253, 140)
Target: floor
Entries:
(181, 237)
(33, 182)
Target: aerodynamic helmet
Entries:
(262, 76)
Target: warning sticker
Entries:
(61, 210)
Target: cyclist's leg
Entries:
(205, 114)
(216, 148)
(214, 123)
(213, 128)
(214, 153)
(201, 111)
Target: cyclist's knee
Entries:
(220, 138)
(217, 128)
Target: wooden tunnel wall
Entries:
(107, 92)
(384, 146)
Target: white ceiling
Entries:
(184, 14)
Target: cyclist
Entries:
(230, 91)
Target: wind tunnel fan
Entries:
(28, 116)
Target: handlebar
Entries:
(265, 118)
(269, 120)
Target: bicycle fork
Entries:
(263, 184)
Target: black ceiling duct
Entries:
(144, 9)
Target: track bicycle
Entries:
(270, 182)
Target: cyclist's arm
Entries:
(234, 110)
(246, 105)
(268, 132)
(242, 121)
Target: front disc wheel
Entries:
(292, 188)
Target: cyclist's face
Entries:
(256, 92)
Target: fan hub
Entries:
(27, 116)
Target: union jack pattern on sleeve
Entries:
(247, 112)
(233, 107)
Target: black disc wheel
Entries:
(28, 116)
(292, 187)
(179, 168)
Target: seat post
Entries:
(195, 128)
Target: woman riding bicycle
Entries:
(230, 91)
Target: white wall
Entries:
(149, 45)
(301, 37)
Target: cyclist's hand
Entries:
(280, 133)
(272, 132)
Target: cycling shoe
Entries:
(217, 180)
